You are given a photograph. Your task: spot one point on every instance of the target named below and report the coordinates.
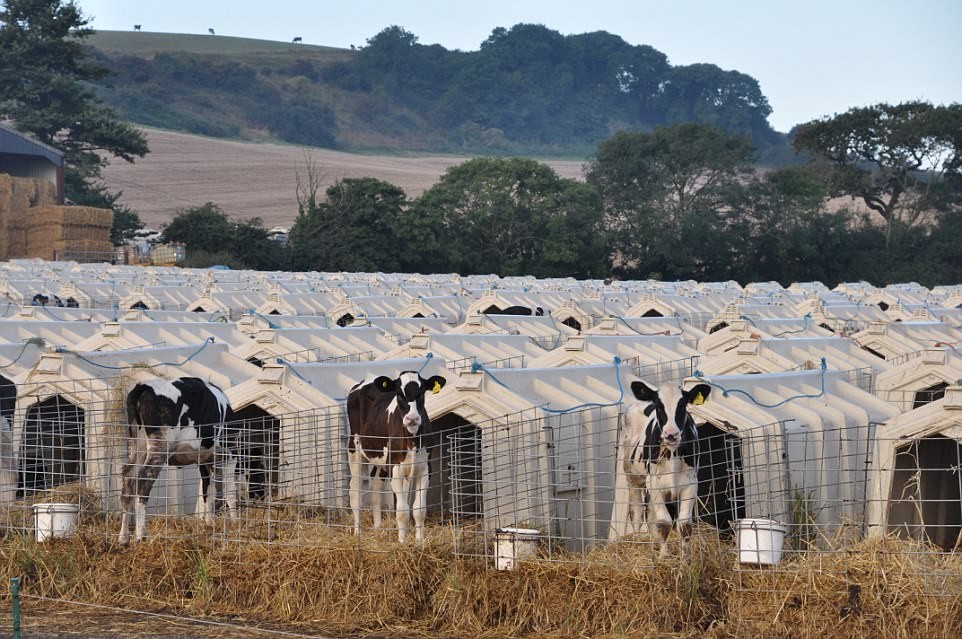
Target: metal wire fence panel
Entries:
(814, 491)
(662, 372)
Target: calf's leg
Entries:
(659, 520)
(153, 464)
(686, 509)
(376, 490)
(421, 480)
(356, 464)
(637, 495)
(401, 485)
(225, 484)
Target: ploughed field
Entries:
(249, 179)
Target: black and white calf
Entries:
(177, 423)
(387, 420)
(660, 459)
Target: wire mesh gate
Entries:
(555, 473)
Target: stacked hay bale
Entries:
(33, 225)
(19, 198)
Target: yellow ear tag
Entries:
(699, 400)
(437, 388)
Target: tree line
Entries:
(527, 90)
(680, 202)
(875, 195)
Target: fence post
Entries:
(15, 597)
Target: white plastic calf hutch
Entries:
(914, 486)
(462, 351)
(312, 430)
(534, 448)
(920, 380)
(71, 424)
(807, 466)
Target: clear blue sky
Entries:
(812, 58)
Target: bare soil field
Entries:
(249, 179)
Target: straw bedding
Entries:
(330, 582)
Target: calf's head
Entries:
(409, 389)
(668, 406)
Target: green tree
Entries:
(780, 230)
(512, 217)
(663, 195)
(893, 158)
(126, 222)
(211, 237)
(731, 101)
(252, 247)
(353, 229)
(46, 89)
(201, 228)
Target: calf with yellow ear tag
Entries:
(388, 422)
(660, 441)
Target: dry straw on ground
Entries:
(330, 582)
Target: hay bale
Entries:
(20, 201)
(330, 582)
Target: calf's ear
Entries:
(385, 384)
(643, 391)
(434, 384)
(697, 394)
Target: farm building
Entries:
(34, 222)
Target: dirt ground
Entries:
(45, 620)
(258, 180)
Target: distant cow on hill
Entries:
(177, 423)
(136, 27)
(297, 39)
(210, 31)
(387, 420)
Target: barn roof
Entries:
(13, 142)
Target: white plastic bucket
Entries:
(514, 544)
(760, 541)
(55, 520)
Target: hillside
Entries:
(257, 179)
(527, 91)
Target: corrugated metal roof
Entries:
(16, 143)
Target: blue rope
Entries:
(48, 312)
(60, 349)
(681, 326)
(808, 318)
(36, 341)
(726, 392)
(270, 324)
(427, 360)
(478, 367)
(290, 367)
(632, 328)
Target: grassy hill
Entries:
(532, 92)
(146, 43)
